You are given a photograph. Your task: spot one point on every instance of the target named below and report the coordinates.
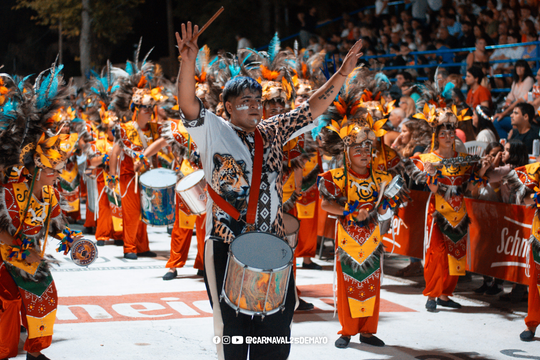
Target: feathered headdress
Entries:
(203, 73)
(308, 75)
(226, 67)
(437, 109)
(53, 152)
(27, 113)
(373, 84)
(275, 71)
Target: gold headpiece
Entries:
(52, 152)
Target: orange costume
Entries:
(109, 217)
(530, 177)
(447, 223)
(133, 140)
(183, 147)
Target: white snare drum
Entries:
(83, 252)
(257, 274)
(157, 197)
(292, 226)
(191, 190)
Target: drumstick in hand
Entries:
(205, 26)
(136, 181)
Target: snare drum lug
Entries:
(236, 313)
(262, 317)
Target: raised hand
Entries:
(187, 42)
(349, 63)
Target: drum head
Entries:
(291, 223)
(261, 251)
(190, 180)
(158, 178)
(83, 252)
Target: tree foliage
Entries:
(111, 19)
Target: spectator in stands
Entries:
(523, 129)
(395, 39)
(530, 51)
(527, 28)
(441, 79)
(407, 104)
(503, 28)
(308, 22)
(394, 125)
(409, 40)
(510, 18)
(314, 45)
(419, 9)
(456, 79)
(348, 30)
(490, 24)
(526, 14)
(381, 7)
(444, 57)
(453, 26)
(449, 40)
(513, 53)
(523, 80)
(483, 125)
(409, 89)
(536, 92)
(479, 57)
(492, 5)
(478, 94)
(478, 31)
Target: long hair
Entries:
(420, 136)
(528, 72)
(484, 121)
(519, 155)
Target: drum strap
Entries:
(254, 189)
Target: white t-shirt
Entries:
(227, 158)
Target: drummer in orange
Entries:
(132, 138)
(108, 224)
(228, 152)
(186, 161)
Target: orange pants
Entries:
(533, 315)
(436, 271)
(307, 236)
(134, 234)
(351, 326)
(181, 240)
(104, 227)
(12, 311)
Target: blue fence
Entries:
(415, 55)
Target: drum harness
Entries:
(254, 189)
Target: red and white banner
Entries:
(498, 236)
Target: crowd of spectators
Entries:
(481, 77)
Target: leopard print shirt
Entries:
(227, 154)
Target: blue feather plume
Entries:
(317, 130)
(114, 88)
(129, 68)
(21, 83)
(274, 47)
(8, 113)
(448, 90)
(380, 77)
(51, 84)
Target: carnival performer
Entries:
(308, 79)
(355, 193)
(29, 213)
(448, 175)
(186, 161)
(132, 138)
(227, 152)
(529, 175)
